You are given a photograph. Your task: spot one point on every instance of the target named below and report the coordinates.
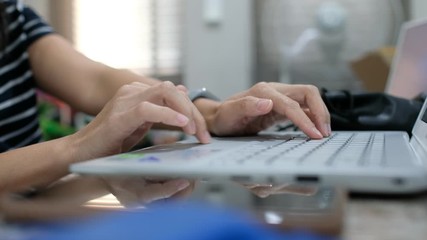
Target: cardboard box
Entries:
(373, 69)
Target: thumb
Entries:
(182, 88)
(252, 106)
(264, 105)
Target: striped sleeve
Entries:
(19, 124)
(34, 27)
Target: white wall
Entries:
(219, 57)
(418, 9)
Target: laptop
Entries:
(379, 162)
(408, 77)
(388, 162)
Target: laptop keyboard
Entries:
(340, 149)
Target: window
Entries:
(141, 35)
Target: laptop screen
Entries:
(409, 72)
(419, 132)
(424, 116)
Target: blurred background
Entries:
(227, 46)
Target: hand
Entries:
(135, 192)
(130, 114)
(265, 104)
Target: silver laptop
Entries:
(408, 76)
(359, 161)
(387, 162)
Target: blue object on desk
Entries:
(172, 221)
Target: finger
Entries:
(167, 94)
(197, 124)
(182, 88)
(318, 109)
(283, 104)
(247, 107)
(325, 127)
(178, 100)
(251, 106)
(239, 113)
(149, 112)
(308, 96)
(296, 114)
(202, 132)
(159, 191)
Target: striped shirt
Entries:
(19, 125)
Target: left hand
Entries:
(265, 104)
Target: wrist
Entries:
(76, 148)
(208, 108)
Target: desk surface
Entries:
(365, 217)
(376, 217)
(386, 218)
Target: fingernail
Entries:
(317, 132)
(329, 129)
(182, 184)
(326, 130)
(263, 104)
(182, 119)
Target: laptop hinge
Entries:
(419, 149)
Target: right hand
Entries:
(265, 104)
(127, 117)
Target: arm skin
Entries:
(79, 81)
(88, 85)
(63, 72)
(84, 84)
(123, 121)
(35, 166)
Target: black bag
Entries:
(371, 111)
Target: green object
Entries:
(52, 129)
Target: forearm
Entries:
(108, 81)
(35, 166)
(72, 77)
